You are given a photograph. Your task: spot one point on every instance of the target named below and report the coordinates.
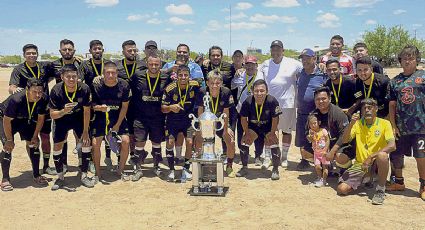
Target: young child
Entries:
(319, 139)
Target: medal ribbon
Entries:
(259, 112)
(214, 107)
(133, 68)
(38, 70)
(370, 87)
(149, 83)
(30, 111)
(95, 69)
(336, 95)
(183, 99)
(71, 99)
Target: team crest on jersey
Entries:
(277, 110)
(418, 80)
(192, 94)
(175, 97)
(377, 133)
(231, 99)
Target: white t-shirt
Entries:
(239, 82)
(281, 79)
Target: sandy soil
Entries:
(253, 203)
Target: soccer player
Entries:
(221, 100)
(23, 113)
(31, 68)
(260, 118)
(149, 120)
(406, 93)
(110, 100)
(70, 109)
(280, 74)
(178, 102)
(374, 142)
(345, 60)
(94, 66)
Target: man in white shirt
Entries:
(280, 74)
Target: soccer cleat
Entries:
(266, 163)
(303, 165)
(395, 187)
(378, 197)
(275, 175)
(258, 162)
(284, 164)
(242, 172)
(171, 176)
(49, 171)
(86, 181)
(186, 176)
(230, 172)
(58, 184)
(157, 170)
(319, 183)
(137, 175)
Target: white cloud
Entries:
(101, 3)
(354, 4)
(328, 20)
(361, 12)
(237, 16)
(243, 5)
(187, 30)
(155, 13)
(246, 25)
(180, 21)
(213, 25)
(137, 17)
(319, 12)
(399, 11)
(370, 22)
(183, 9)
(155, 21)
(281, 3)
(309, 2)
(168, 29)
(273, 18)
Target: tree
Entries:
(385, 44)
(12, 59)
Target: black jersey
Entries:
(185, 97)
(58, 64)
(88, 71)
(344, 93)
(378, 91)
(269, 110)
(17, 107)
(22, 72)
(135, 69)
(110, 96)
(225, 69)
(216, 104)
(335, 121)
(147, 95)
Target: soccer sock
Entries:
(285, 149)
(35, 161)
(156, 154)
(178, 151)
(46, 158)
(244, 155)
(5, 165)
(170, 158)
(107, 150)
(229, 162)
(422, 181)
(65, 153)
(85, 158)
(259, 146)
(275, 157)
(57, 159)
(380, 188)
(186, 163)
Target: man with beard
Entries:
(94, 66)
(31, 68)
(346, 61)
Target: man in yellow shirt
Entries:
(374, 141)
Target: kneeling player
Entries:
(110, 103)
(260, 118)
(70, 109)
(178, 102)
(23, 113)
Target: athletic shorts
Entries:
(25, 130)
(61, 128)
(47, 126)
(408, 145)
(98, 127)
(154, 129)
(173, 128)
(354, 175)
(300, 134)
(287, 120)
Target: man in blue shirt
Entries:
(309, 79)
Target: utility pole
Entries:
(230, 7)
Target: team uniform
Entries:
(306, 85)
(342, 94)
(89, 70)
(377, 90)
(345, 61)
(57, 66)
(369, 140)
(24, 115)
(409, 94)
(281, 80)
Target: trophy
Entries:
(207, 166)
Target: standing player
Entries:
(406, 93)
(23, 113)
(94, 66)
(178, 102)
(260, 118)
(345, 60)
(70, 108)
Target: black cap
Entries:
(276, 43)
(151, 43)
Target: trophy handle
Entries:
(221, 120)
(194, 121)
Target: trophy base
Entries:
(210, 191)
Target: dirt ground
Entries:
(152, 203)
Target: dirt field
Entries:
(253, 203)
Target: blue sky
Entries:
(199, 23)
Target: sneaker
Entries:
(230, 172)
(126, 177)
(65, 169)
(108, 163)
(392, 186)
(303, 165)
(242, 172)
(284, 164)
(58, 184)
(319, 183)
(266, 163)
(170, 176)
(257, 162)
(186, 176)
(137, 175)
(157, 170)
(378, 197)
(275, 175)
(86, 181)
(50, 171)
(92, 169)
(95, 180)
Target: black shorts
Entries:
(47, 126)
(98, 127)
(221, 132)
(300, 134)
(408, 145)
(61, 128)
(130, 119)
(25, 130)
(173, 128)
(152, 128)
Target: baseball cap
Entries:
(251, 59)
(307, 52)
(151, 43)
(276, 43)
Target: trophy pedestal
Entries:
(207, 178)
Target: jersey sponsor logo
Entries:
(418, 80)
(150, 98)
(408, 95)
(175, 97)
